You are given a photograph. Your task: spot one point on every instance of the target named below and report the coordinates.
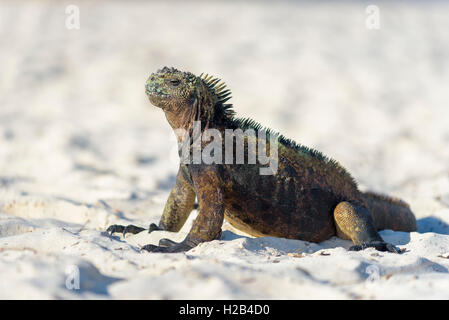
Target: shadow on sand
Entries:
(433, 224)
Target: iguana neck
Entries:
(200, 114)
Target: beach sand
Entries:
(82, 148)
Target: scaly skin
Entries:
(310, 197)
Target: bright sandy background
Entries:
(82, 148)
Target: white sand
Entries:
(81, 147)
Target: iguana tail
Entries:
(390, 213)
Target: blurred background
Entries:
(75, 122)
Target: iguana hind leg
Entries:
(354, 222)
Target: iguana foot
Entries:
(167, 243)
(132, 229)
(154, 227)
(164, 242)
(378, 245)
(172, 248)
(117, 228)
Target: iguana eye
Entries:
(175, 82)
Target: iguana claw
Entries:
(116, 228)
(378, 245)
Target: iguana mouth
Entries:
(153, 91)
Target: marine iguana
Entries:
(310, 197)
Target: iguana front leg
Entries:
(207, 225)
(180, 203)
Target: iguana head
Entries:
(185, 97)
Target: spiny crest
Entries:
(248, 123)
(220, 93)
(167, 70)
